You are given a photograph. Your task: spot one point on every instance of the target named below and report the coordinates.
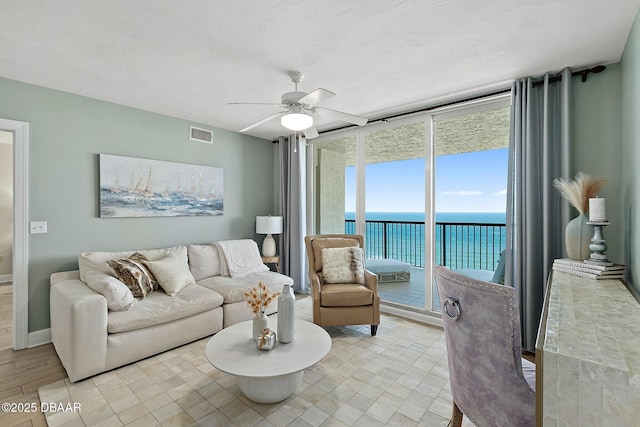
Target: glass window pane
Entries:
(470, 191)
(395, 220)
(335, 185)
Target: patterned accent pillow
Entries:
(343, 265)
(134, 273)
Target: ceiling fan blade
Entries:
(318, 95)
(259, 122)
(255, 103)
(339, 115)
(311, 133)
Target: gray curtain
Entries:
(539, 152)
(292, 165)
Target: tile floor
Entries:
(397, 378)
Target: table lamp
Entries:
(269, 225)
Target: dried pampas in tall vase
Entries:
(578, 192)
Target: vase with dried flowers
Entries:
(578, 192)
(259, 299)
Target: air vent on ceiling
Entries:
(202, 135)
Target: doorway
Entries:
(6, 239)
(18, 133)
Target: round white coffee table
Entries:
(267, 376)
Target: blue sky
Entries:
(469, 182)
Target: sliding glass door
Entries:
(423, 190)
(395, 194)
(374, 182)
(470, 181)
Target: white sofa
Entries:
(90, 339)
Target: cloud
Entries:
(501, 193)
(463, 193)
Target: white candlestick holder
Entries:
(598, 245)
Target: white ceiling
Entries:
(190, 58)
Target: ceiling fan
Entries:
(301, 108)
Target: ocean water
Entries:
(475, 217)
(462, 239)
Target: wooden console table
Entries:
(275, 260)
(588, 354)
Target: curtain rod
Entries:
(583, 73)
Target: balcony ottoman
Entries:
(389, 270)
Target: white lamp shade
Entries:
(268, 224)
(297, 121)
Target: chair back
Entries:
(316, 243)
(482, 331)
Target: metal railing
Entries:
(458, 245)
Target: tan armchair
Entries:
(341, 304)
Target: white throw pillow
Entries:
(343, 265)
(118, 295)
(172, 272)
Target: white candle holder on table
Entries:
(597, 218)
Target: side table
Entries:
(272, 260)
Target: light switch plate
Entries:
(38, 227)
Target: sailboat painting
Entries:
(133, 187)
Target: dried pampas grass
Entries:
(580, 190)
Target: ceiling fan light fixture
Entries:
(296, 121)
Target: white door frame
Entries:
(20, 230)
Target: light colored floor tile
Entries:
(282, 417)
(380, 412)
(398, 378)
(133, 413)
(314, 416)
(180, 420)
(348, 414)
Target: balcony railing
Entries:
(457, 245)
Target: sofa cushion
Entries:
(159, 308)
(172, 272)
(233, 289)
(117, 294)
(343, 265)
(98, 260)
(204, 261)
(135, 274)
(349, 295)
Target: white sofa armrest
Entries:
(78, 326)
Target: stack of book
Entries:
(592, 271)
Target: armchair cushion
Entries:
(345, 295)
(343, 265)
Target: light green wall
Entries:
(596, 144)
(67, 132)
(630, 153)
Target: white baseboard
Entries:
(413, 315)
(37, 338)
(5, 278)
